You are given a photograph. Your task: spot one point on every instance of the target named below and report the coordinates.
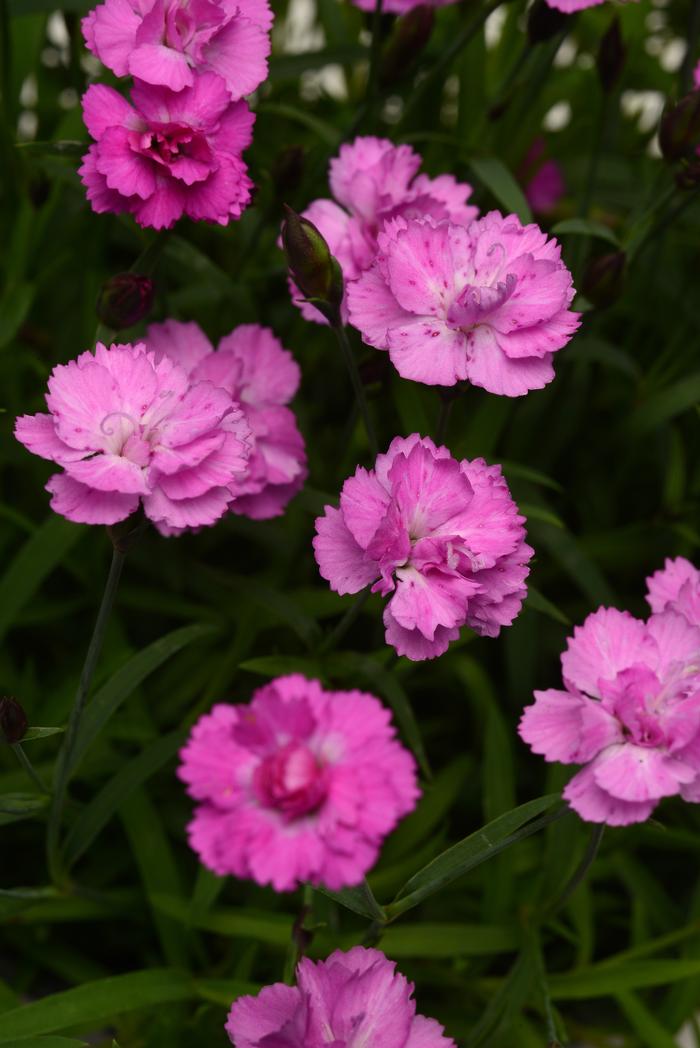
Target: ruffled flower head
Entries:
(167, 42)
(169, 154)
(254, 368)
(372, 181)
(351, 1000)
(301, 785)
(630, 714)
(488, 303)
(676, 587)
(130, 430)
(442, 537)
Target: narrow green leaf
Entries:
(51, 1042)
(273, 928)
(15, 806)
(39, 556)
(40, 733)
(14, 306)
(119, 687)
(645, 1024)
(493, 173)
(326, 132)
(449, 940)
(584, 227)
(492, 839)
(538, 602)
(603, 980)
(358, 899)
(95, 1002)
(223, 991)
(438, 797)
(661, 407)
(277, 665)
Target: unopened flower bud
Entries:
(287, 170)
(603, 279)
(679, 133)
(544, 22)
(13, 720)
(409, 36)
(124, 300)
(313, 268)
(611, 56)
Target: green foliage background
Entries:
(140, 944)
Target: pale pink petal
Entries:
(202, 407)
(678, 641)
(159, 64)
(111, 33)
(187, 512)
(639, 773)
(419, 270)
(363, 503)
(83, 505)
(427, 1033)
(372, 308)
(252, 1018)
(664, 586)
(608, 642)
(567, 728)
(425, 349)
(217, 470)
(340, 560)
(238, 53)
(38, 434)
(413, 644)
(489, 367)
(184, 343)
(268, 372)
(595, 805)
(163, 208)
(125, 171)
(109, 473)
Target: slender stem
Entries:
(29, 767)
(374, 57)
(664, 221)
(579, 874)
(351, 364)
(64, 761)
(339, 631)
(443, 418)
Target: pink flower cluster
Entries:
(177, 150)
(488, 302)
(443, 537)
(354, 1000)
(301, 785)
(255, 370)
(172, 425)
(630, 711)
(372, 181)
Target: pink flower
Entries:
(543, 180)
(696, 76)
(676, 587)
(130, 430)
(630, 714)
(351, 1000)
(400, 7)
(255, 370)
(372, 181)
(487, 303)
(166, 42)
(168, 155)
(301, 785)
(443, 537)
(568, 7)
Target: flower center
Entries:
(291, 781)
(632, 698)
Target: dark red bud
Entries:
(604, 278)
(544, 22)
(287, 170)
(313, 268)
(679, 132)
(611, 56)
(13, 720)
(124, 300)
(409, 36)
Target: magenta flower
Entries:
(569, 7)
(400, 7)
(372, 181)
(696, 76)
(543, 179)
(301, 785)
(443, 537)
(630, 714)
(168, 155)
(487, 303)
(166, 42)
(130, 430)
(676, 587)
(255, 370)
(351, 1000)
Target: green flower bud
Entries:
(313, 268)
(611, 56)
(679, 133)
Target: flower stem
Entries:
(579, 874)
(374, 58)
(351, 364)
(336, 635)
(64, 761)
(29, 767)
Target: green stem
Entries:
(579, 874)
(353, 371)
(443, 420)
(29, 767)
(374, 58)
(64, 762)
(337, 634)
(462, 38)
(664, 220)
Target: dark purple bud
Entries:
(544, 22)
(408, 38)
(313, 268)
(287, 170)
(611, 56)
(124, 300)
(13, 720)
(679, 132)
(604, 278)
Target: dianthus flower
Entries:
(130, 430)
(676, 587)
(630, 713)
(372, 181)
(400, 7)
(487, 303)
(351, 1000)
(301, 785)
(254, 368)
(168, 155)
(166, 42)
(443, 537)
(569, 7)
(543, 180)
